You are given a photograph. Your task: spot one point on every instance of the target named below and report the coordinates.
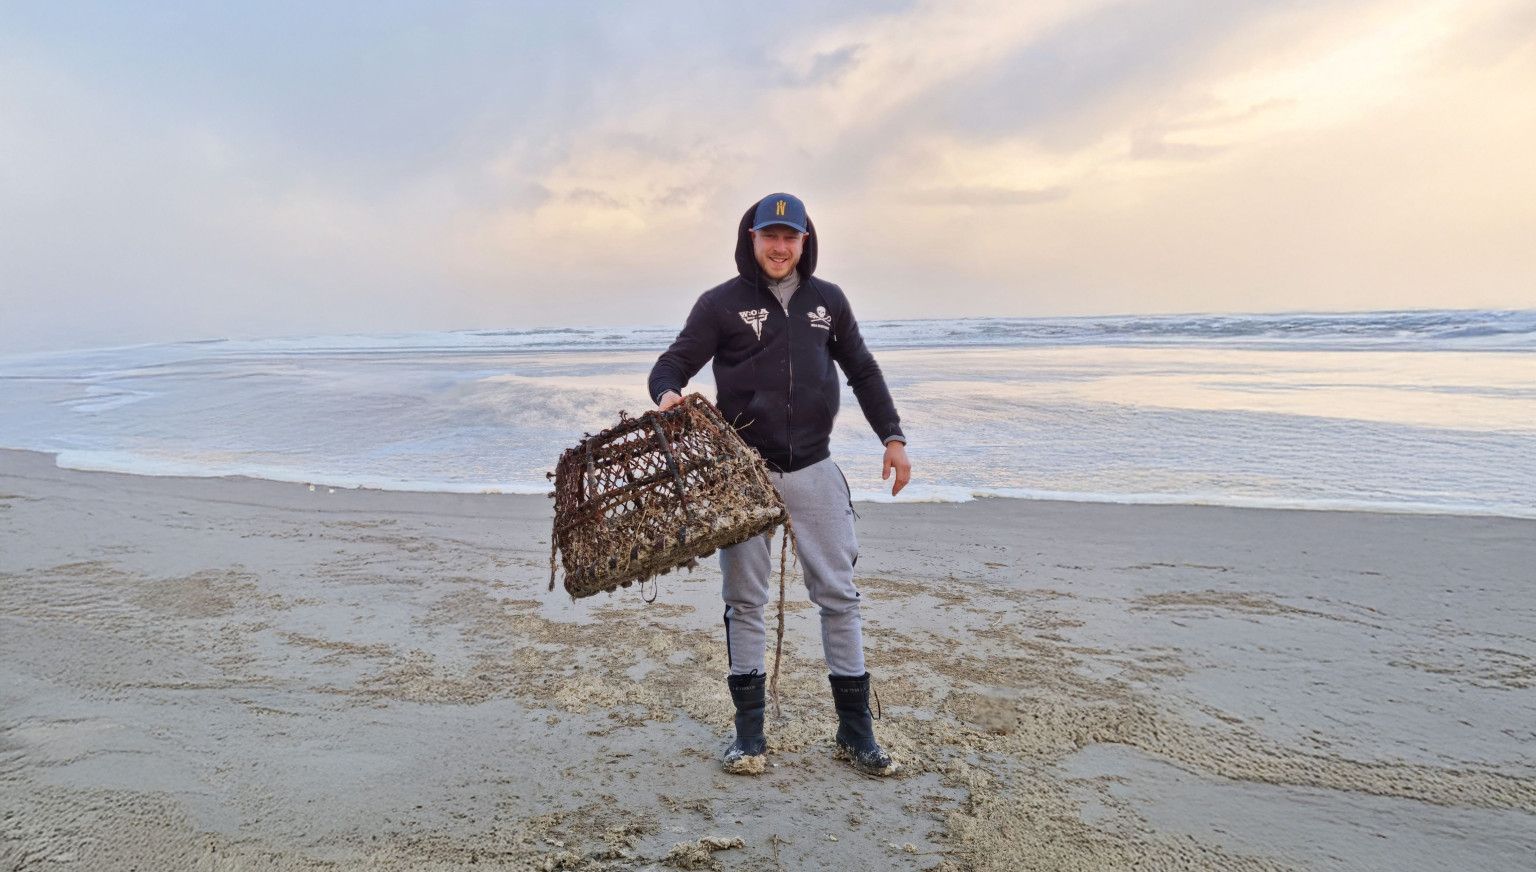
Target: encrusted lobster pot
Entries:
(655, 493)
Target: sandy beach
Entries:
(222, 674)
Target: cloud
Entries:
(990, 196)
(826, 68)
(305, 170)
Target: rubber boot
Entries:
(856, 726)
(747, 754)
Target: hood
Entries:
(746, 262)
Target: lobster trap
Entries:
(655, 493)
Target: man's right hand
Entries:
(670, 399)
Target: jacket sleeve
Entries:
(863, 372)
(692, 348)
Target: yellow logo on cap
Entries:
(778, 208)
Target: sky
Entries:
(175, 171)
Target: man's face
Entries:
(778, 249)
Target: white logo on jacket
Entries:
(820, 318)
(755, 319)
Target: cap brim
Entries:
(791, 226)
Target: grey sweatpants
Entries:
(819, 508)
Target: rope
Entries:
(554, 542)
(778, 647)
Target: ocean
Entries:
(1415, 411)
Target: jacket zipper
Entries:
(789, 402)
(789, 362)
(788, 358)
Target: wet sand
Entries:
(231, 674)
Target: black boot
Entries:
(856, 726)
(746, 754)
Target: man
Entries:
(774, 332)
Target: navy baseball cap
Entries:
(783, 209)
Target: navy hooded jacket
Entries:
(774, 374)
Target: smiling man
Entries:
(777, 335)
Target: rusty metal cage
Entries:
(655, 493)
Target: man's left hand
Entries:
(896, 458)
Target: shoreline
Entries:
(861, 497)
(244, 674)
